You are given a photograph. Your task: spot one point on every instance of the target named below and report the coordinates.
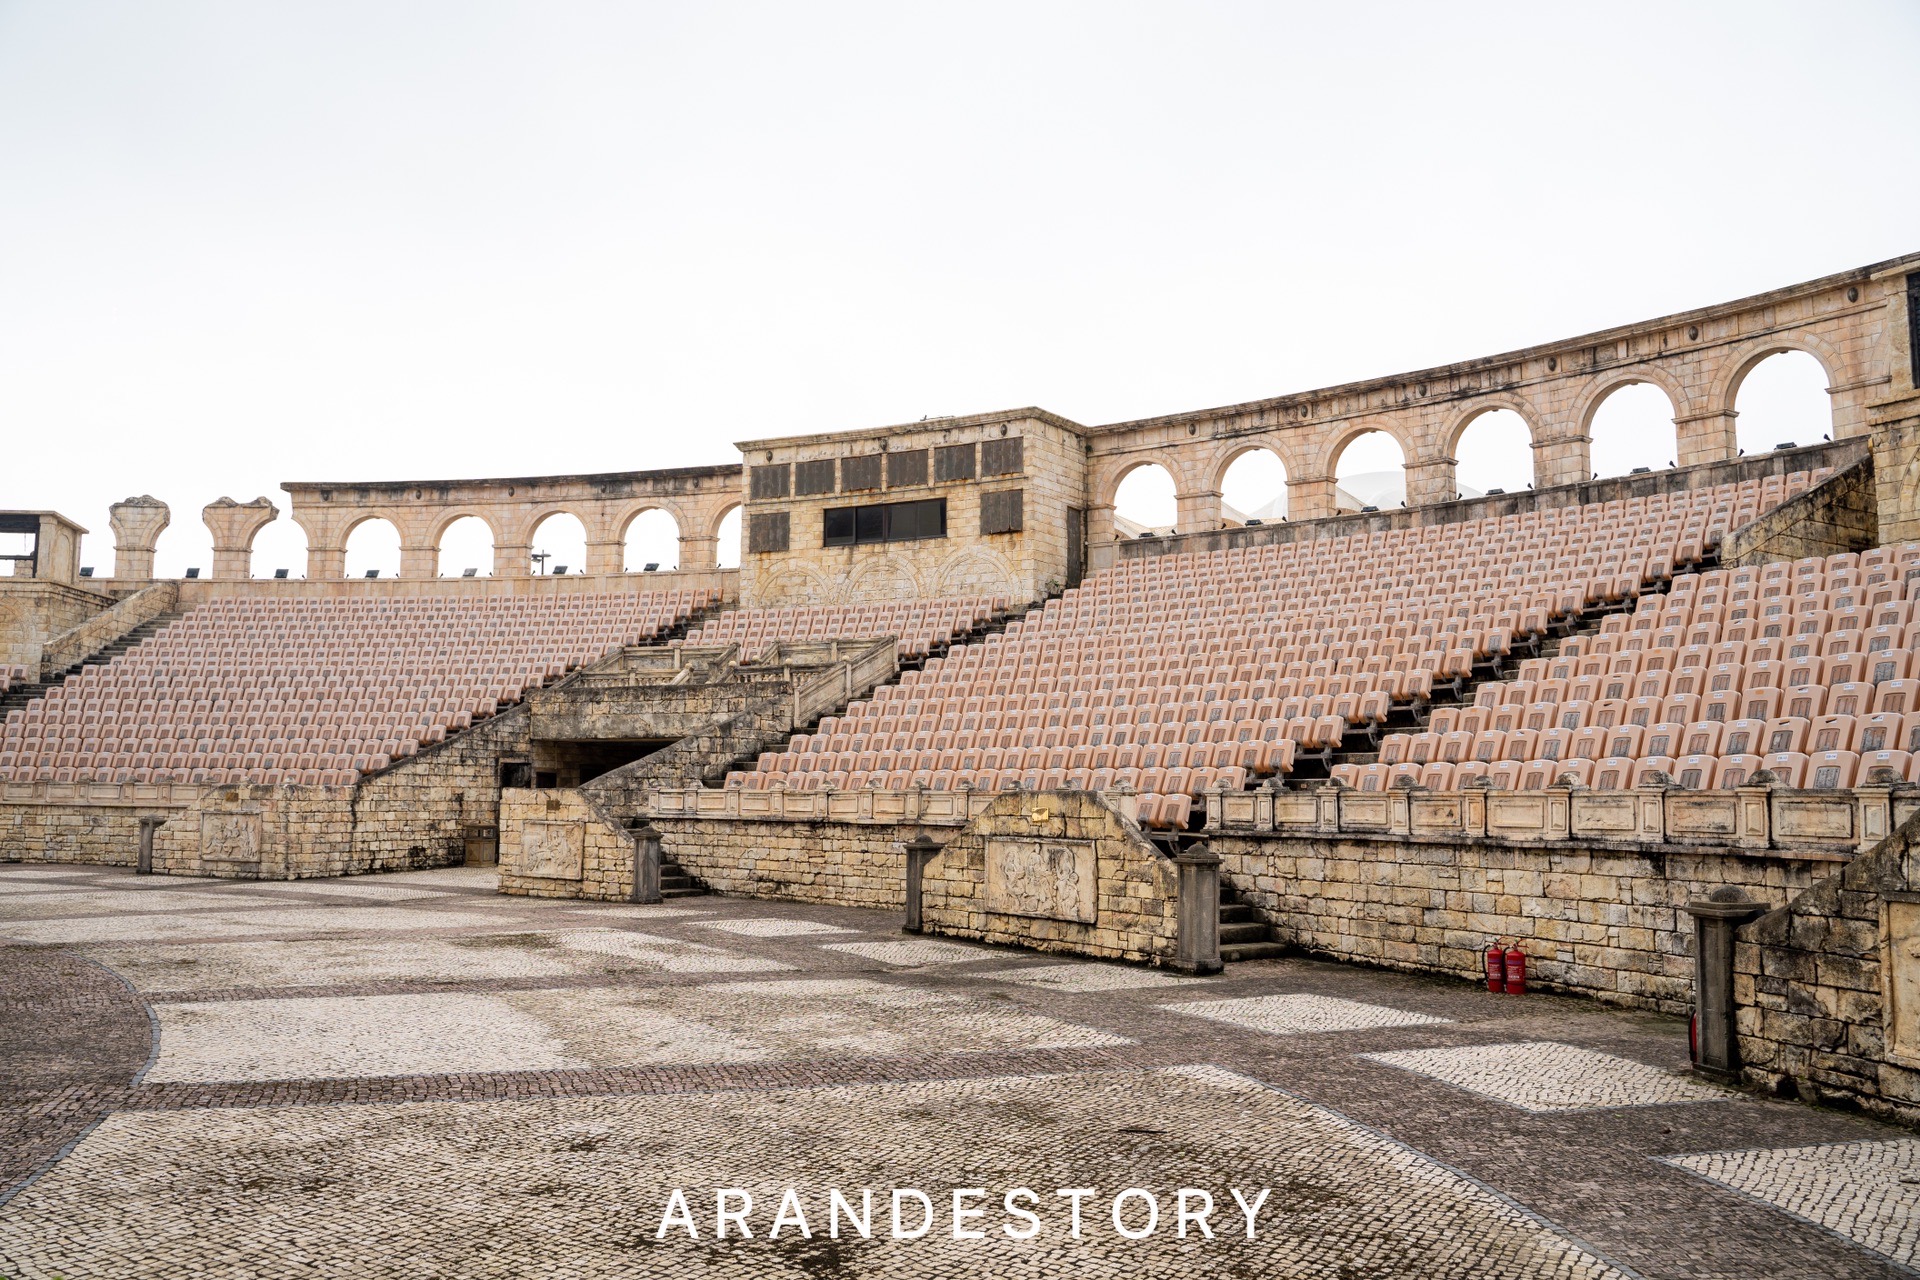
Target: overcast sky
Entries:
(242, 243)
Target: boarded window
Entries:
(907, 467)
(767, 531)
(1003, 512)
(813, 477)
(953, 462)
(884, 522)
(859, 473)
(770, 481)
(1002, 457)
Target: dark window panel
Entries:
(862, 472)
(906, 468)
(813, 477)
(1003, 511)
(767, 531)
(953, 462)
(1006, 457)
(770, 481)
(884, 522)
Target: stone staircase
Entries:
(21, 694)
(675, 882)
(1243, 934)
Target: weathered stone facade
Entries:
(87, 823)
(1838, 515)
(1057, 871)
(34, 613)
(1827, 987)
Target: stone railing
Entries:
(145, 795)
(1756, 818)
(101, 630)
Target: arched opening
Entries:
(728, 537)
(183, 546)
(1254, 487)
(1494, 452)
(466, 549)
(373, 544)
(653, 538)
(559, 545)
(1632, 427)
(1371, 471)
(280, 545)
(1783, 400)
(1144, 502)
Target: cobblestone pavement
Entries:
(411, 1076)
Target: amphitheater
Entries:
(1659, 734)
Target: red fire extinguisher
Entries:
(1496, 968)
(1516, 972)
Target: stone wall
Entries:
(1838, 515)
(1058, 871)
(1827, 987)
(1593, 919)
(557, 843)
(88, 823)
(33, 612)
(103, 628)
(1019, 566)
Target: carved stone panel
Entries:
(1901, 958)
(551, 850)
(1051, 879)
(230, 837)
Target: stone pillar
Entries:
(1753, 812)
(1650, 807)
(646, 865)
(1715, 919)
(605, 558)
(326, 562)
(1894, 429)
(513, 560)
(1309, 497)
(418, 561)
(234, 525)
(1197, 914)
(1706, 437)
(1099, 525)
(137, 525)
(920, 851)
(1562, 459)
(1197, 512)
(143, 864)
(1434, 480)
(699, 555)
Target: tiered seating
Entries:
(11, 676)
(314, 691)
(920, 625)
(1178, 674)
(1807, 669)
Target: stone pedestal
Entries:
(920, 851)
(1716, 1039)
(1706, 437)
(137, 525)
(234, 525)
(646, 865)
(1198, 911)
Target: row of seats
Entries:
(1299, 642)
(12, 675)
(267, 690)
(1824, 769)
(921, 626)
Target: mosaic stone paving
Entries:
(440, 1178)
(910, 953)
(77, 902)
(1294, 1015)
(460, 1084)
(1092, 977)
(1545, 1076)
(1868, 1192)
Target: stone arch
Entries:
(630, 562)
(439, 542)
(282, 544)
(1134, 468)
(1230, 452)
(794, 584)
(1225, 460)
(1743, 359)
(1343, 439)
(394, 520)
(444, 519)
(729, 546)
(1112, 471)
(1602, 385)
(1455, 433)
(539, 518)
(978, 571)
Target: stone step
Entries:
(1233, 954)
(682, 893)
(1236, 913)
(1251, 931)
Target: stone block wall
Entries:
(1840, 514)
(33, 612)
(1827, 987)
(1605, 922)
(1057, 871)
(557, 843)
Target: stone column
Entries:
(699, 555)
(605, 558)
(234, 525)
(1562, 459)
(1197, 914)
(1894, 429)
(646, 865)
(1197, 512)
(513, 560)
(326, 562)
(1715, 919)
(137, 525)
(1099, 525)
(417, 561)
(1309, 497)
(1434, 480)
(920, 851)
(143, 864)
(1707, 437)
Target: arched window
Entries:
(1254, 487)
(1494, 452)
(729, 539)
(373, 544)
(1633, 427)
(653, 538)
(1144, 502)
(559, 545)
(1783, 400)
(1371, 471)
(280, 545)
(466, 544)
